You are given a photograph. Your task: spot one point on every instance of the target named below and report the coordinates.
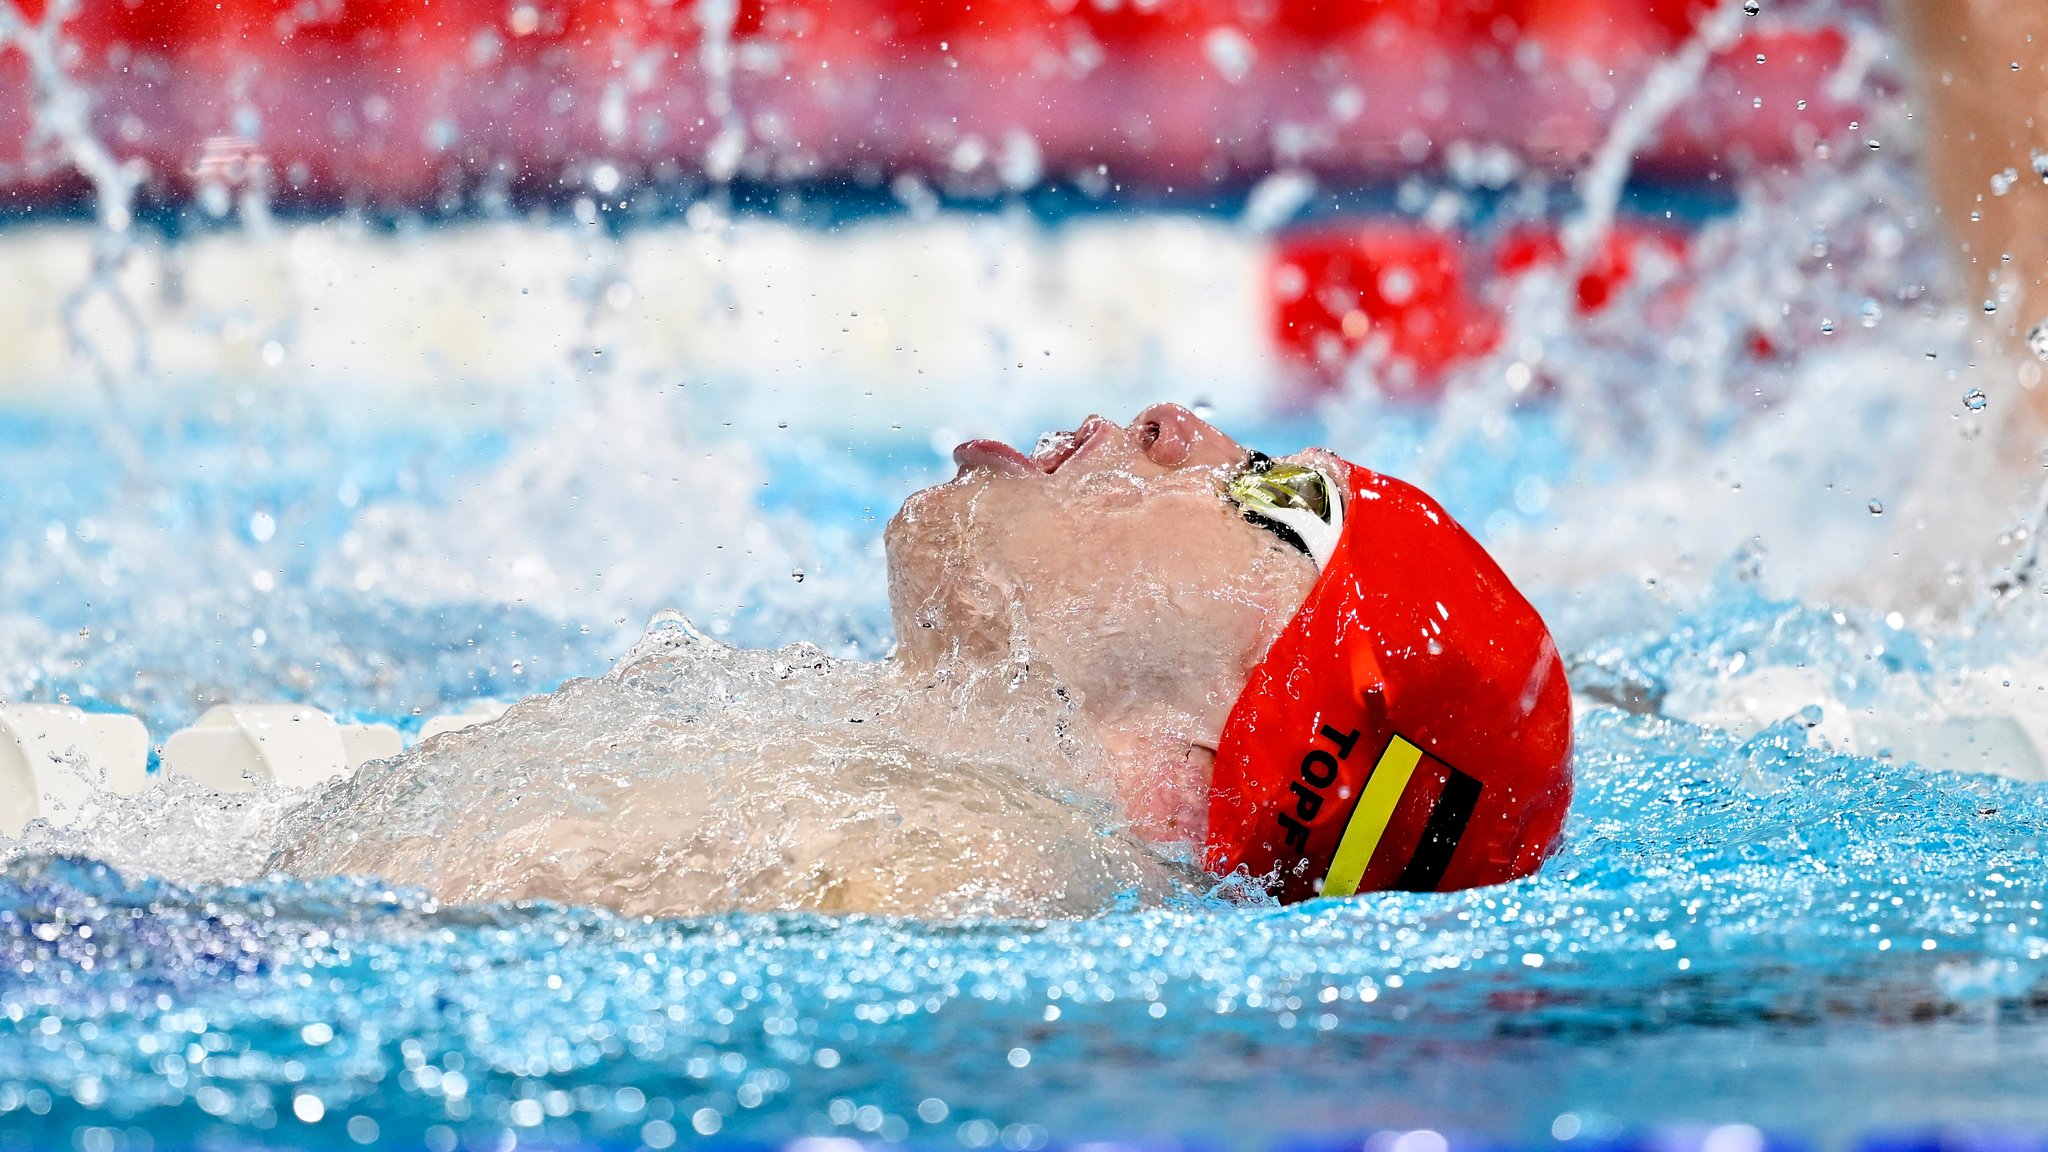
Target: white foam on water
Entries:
(179, 830)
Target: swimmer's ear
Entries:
(1160, 767)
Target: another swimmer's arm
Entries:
(1983, 81)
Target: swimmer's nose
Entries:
(1175, 437)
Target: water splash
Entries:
(63, 112)
(1694, 398)
(1541, 304)
(695, 778)
(1669, 84)
(715, 21)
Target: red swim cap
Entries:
(1410, 730)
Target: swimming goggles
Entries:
(1295, 502)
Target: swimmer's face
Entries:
(1110, 560)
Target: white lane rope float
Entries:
(54, 757)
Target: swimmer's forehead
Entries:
(1321, 459)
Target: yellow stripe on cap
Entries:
(1370, 819)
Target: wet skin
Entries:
(1108, 558)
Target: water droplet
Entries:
(1876, 507)
(784, 424)
(1752, 6)
(1230, 52)
(1827, 327)
(1990, 307)
(797, 575)
(2037, 339)
(1872, 312)
(1875, 145)
(1975, 399)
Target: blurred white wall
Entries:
(936, 321)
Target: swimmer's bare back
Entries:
(1983, 81)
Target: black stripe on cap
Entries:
(1440, 834)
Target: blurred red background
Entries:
(456, 105)
(408, 102)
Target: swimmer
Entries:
(1137, 659)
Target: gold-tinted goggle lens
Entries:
(1267, 485)
(1270, 492)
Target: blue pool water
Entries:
(1755, 931)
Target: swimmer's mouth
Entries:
(993, 455)
(1053, 450)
